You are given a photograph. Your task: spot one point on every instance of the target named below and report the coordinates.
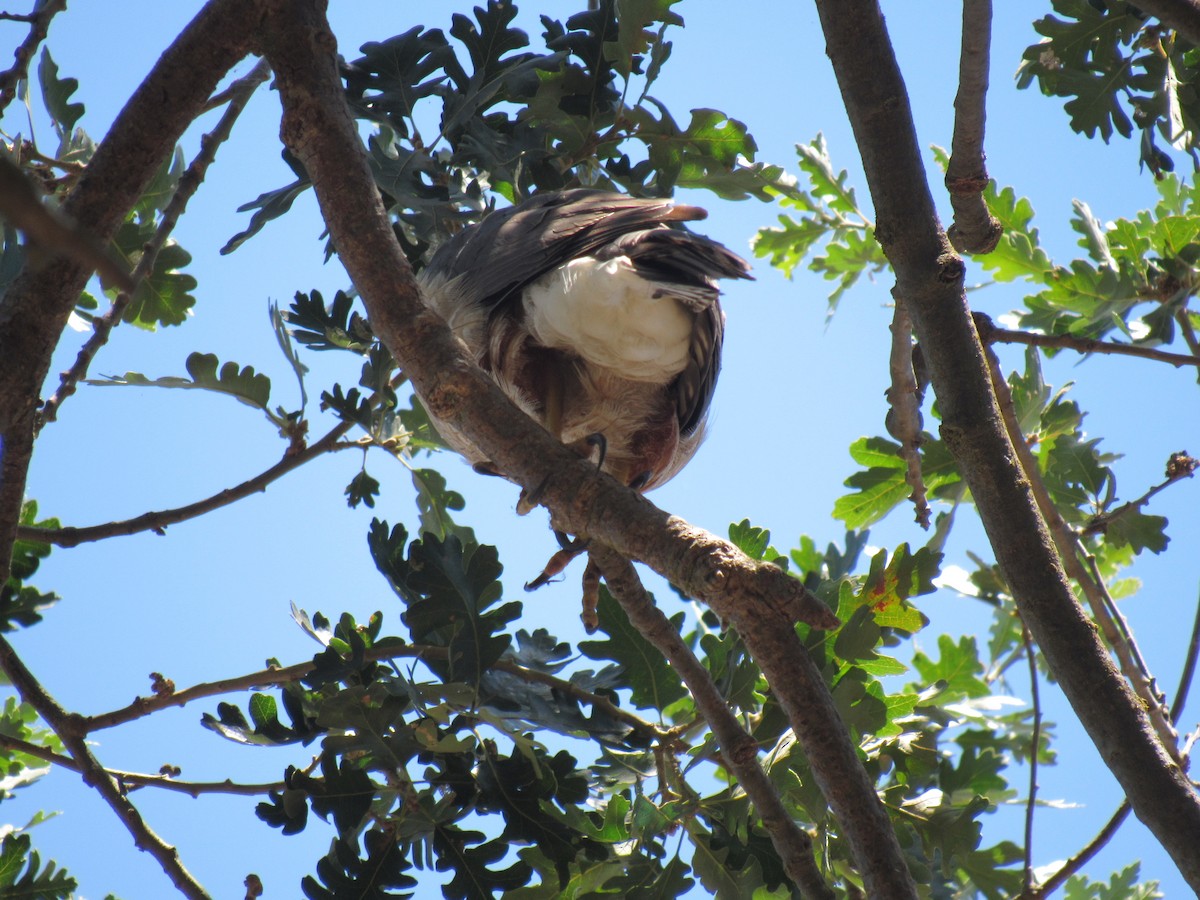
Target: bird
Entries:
(598, 316)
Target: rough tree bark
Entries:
(760, 600)
(929, 280)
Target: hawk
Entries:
(599, 317)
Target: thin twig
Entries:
(239, 95)
(1035, 748)
(1070, 550)
(738, 749)
(989, 333)
(39, 27)
(67, 727)
(138, 779)
(276, 677)
(903, 419)
(1179, 466)
(158, 521)
(975, 229)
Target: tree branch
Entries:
(1096, 844)
(1104, 611)
(739, 750)
(35, 308)
(66, 726)
(975, 230)
(239, 94)
(929, 279)
(990, 334)
(39, 27)
(758, 599)
(1035, 748)
(1179, 466)
(158, 521)
(137, 779)
(1182, 15)
(274, 677)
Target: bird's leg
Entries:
(552, 416)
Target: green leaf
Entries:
(164, 296)
(379, 875)
(363, 488)
(268, 206)
(653, 682)
(881, 487)
(958, 668)
(1138, 531)
(22, 875)
(240, 382)
(1121, 885)
(451, 590)
(56, 93)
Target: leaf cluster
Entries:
(1119, 69)
(477, 109)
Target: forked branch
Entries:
(758, 599)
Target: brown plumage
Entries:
(596, 318)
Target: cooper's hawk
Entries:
(597, 318)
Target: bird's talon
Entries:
(530, 499)
(571, 545)
(599, 441)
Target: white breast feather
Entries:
(612, 317)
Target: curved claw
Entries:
(599, 441)
(554, 566)
(570, 544)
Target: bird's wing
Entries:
(491, 263)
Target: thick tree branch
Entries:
(758, 599)
(66, 726)
(975, 230)
(930, 280)
(1182, 15)
(1104, 611)
(239, 94)
(738, 749)
(35, 308)
(1096, 844)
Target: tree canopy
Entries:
(958, 686)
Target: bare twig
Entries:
(1035, 748)
(158, 521)
(738, 749)
(989, 333)
(137, 779)
(67, 727)
(904, 415)
(1073, 554)
(1179, 466)
(39, 26)
(239, 94)
(975, 229)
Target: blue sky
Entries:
(211, 598)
